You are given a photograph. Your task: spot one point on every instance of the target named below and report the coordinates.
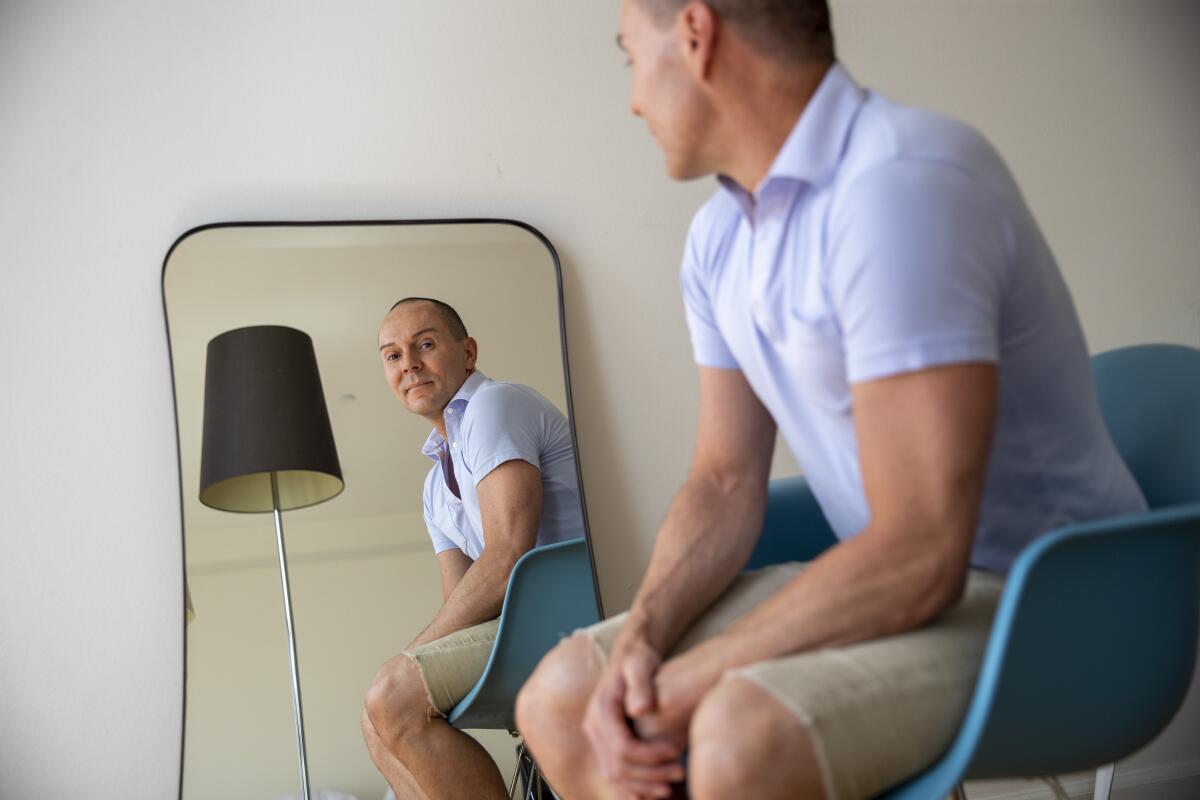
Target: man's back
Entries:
(887, 240)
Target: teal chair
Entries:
(1094, 640)
(550, 593)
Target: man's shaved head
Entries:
(790, 30)
(453, 321)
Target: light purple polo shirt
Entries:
(488, 423)
(885, 240)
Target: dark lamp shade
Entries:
(264, 412)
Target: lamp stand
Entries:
(287, 609)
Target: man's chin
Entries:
(681, 170)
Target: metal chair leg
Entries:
(512, 785)
(1059, 792)
(1104, 781)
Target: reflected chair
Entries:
(1094, 639)
(550, 593)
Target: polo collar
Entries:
(814, 148)
(435, 444)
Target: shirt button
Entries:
(449, 410)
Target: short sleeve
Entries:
(441, 542)
(503, 422)
(918, 261)
(708, 346)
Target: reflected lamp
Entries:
(268, 445)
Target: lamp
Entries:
(268, 444)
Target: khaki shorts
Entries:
(452, 665)
(878, 711)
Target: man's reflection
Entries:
(503, 480)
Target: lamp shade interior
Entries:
(252, 493)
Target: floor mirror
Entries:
(363, 575)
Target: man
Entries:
(868, 280)
(503, 480)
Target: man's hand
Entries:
(626, 691)
(679, 685)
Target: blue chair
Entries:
(550, 593)
(1094, 640)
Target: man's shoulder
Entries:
(506, 398)
(888, 136)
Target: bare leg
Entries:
(772, 755)
(445, 763)
(549, 714)
(394, 773)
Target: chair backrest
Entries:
(551, 592)
(1094, 642)
(794, 529)
(1150, 399)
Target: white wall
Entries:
(123, 125)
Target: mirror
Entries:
(364, 577)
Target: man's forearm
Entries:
(477, 597)
(703, 543)
(865, 588)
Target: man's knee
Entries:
(559, 688)
(736, 738)
(397, 703)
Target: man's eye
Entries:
(391, 357)
(425, 345)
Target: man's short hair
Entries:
(453, 321)
(790, 30)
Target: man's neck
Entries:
(762, 115)
(438, 420)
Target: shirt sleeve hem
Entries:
(914, 356)
(496, 459)
(717, 360)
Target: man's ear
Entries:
(472, 349)
(697, 27)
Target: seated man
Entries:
(868, 280)
(503, 480)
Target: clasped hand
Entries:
(637, 717)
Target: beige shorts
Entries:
(878, 711)
(452, 665)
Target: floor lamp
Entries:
(268, 445)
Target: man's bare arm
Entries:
(453, 564)
(510, 502)
(923, 444)
(707, 535)
(713, 521)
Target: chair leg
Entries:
(1104, 781)
(1059, 792)
(960, 792)
(512, 785)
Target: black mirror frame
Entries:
(562, 327)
